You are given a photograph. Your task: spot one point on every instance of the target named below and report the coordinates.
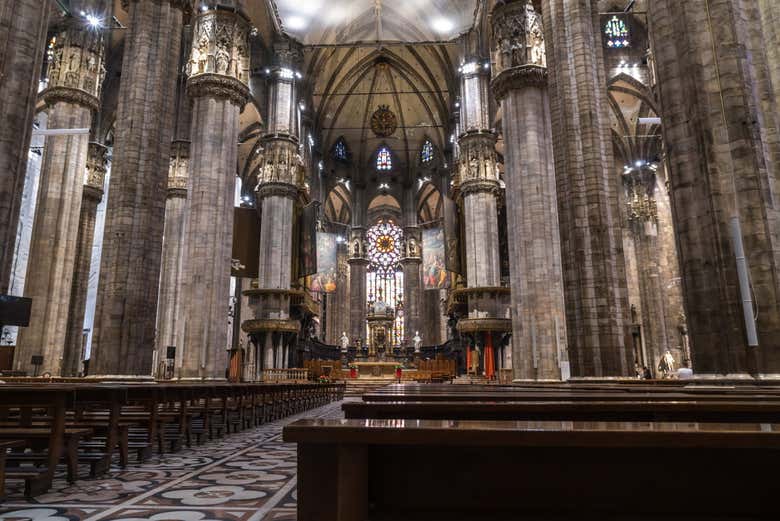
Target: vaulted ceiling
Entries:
(316, 22)
(416, 83)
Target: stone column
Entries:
(520, 84)
(716, 64)
(170, 312)
(23, 27)
(126, 312)
(358, 268)
(280, 177)
(75, 77)
(218, 69)
(478, 178)
(91, 197)
(594, 274)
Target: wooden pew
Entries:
(19, 405)
(657, 410)
(457, 470)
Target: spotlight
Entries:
(94, 21)
(204, 8)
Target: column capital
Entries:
(219, 59)
(475, 186)
(97, 160)
(277, 190)
(281, 162)
(178, 171)
(518, 34)
(518, 78)
(76, 68)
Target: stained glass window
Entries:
(617, 33)
(385, 279)
(426, 155)
(384, 160)
(384, 246)
(340, 150)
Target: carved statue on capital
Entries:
(219, 57)
(177, 172)
(518, 35)
(97, 160)
(75, 67)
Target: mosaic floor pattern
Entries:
(249, 476)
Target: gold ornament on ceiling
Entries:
(384, 122)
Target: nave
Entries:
(249, 476)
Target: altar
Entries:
(376, 369)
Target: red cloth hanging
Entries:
(468, 358)
(490, 366)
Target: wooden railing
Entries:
(285, 375)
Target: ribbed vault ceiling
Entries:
(318, 22)
(350, 84)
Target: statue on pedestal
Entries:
(344, 341)
(417, 341)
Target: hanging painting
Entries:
(327, 263)
(433, 259)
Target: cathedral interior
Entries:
(220, 215)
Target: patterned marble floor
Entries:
(250, 476)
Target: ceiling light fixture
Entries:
(442, 25)
(296, 23)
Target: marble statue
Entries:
(667, 364)
(417, 341)
(344, 341)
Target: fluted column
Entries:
(520, 84)
(75, 77)
(125, 317)
(170, 313)
(477, 178)
(91, 197)
(718, 89)
(218, 68)
(23, 26)
(594, 272)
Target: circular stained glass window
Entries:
(384, 247)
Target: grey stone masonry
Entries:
(218, 72)
(91, 197)
(520, 84)
(23, 26)
(594, 273)
(169, 314)
(718, 85)
(73, 87)
(125, 317)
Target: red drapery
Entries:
(468, 358)
(490, 366)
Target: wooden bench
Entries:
(457, 470)
(4, 447)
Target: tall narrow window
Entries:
(616, 33)
(340, 150)
(384, 160)
(426, 155)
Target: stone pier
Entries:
(520, 84)
(219, 70)
(170, 315)
(594, 273)
(74, 81)
(125, 317)
(718, 87)
(23, 28)
(91, 197)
